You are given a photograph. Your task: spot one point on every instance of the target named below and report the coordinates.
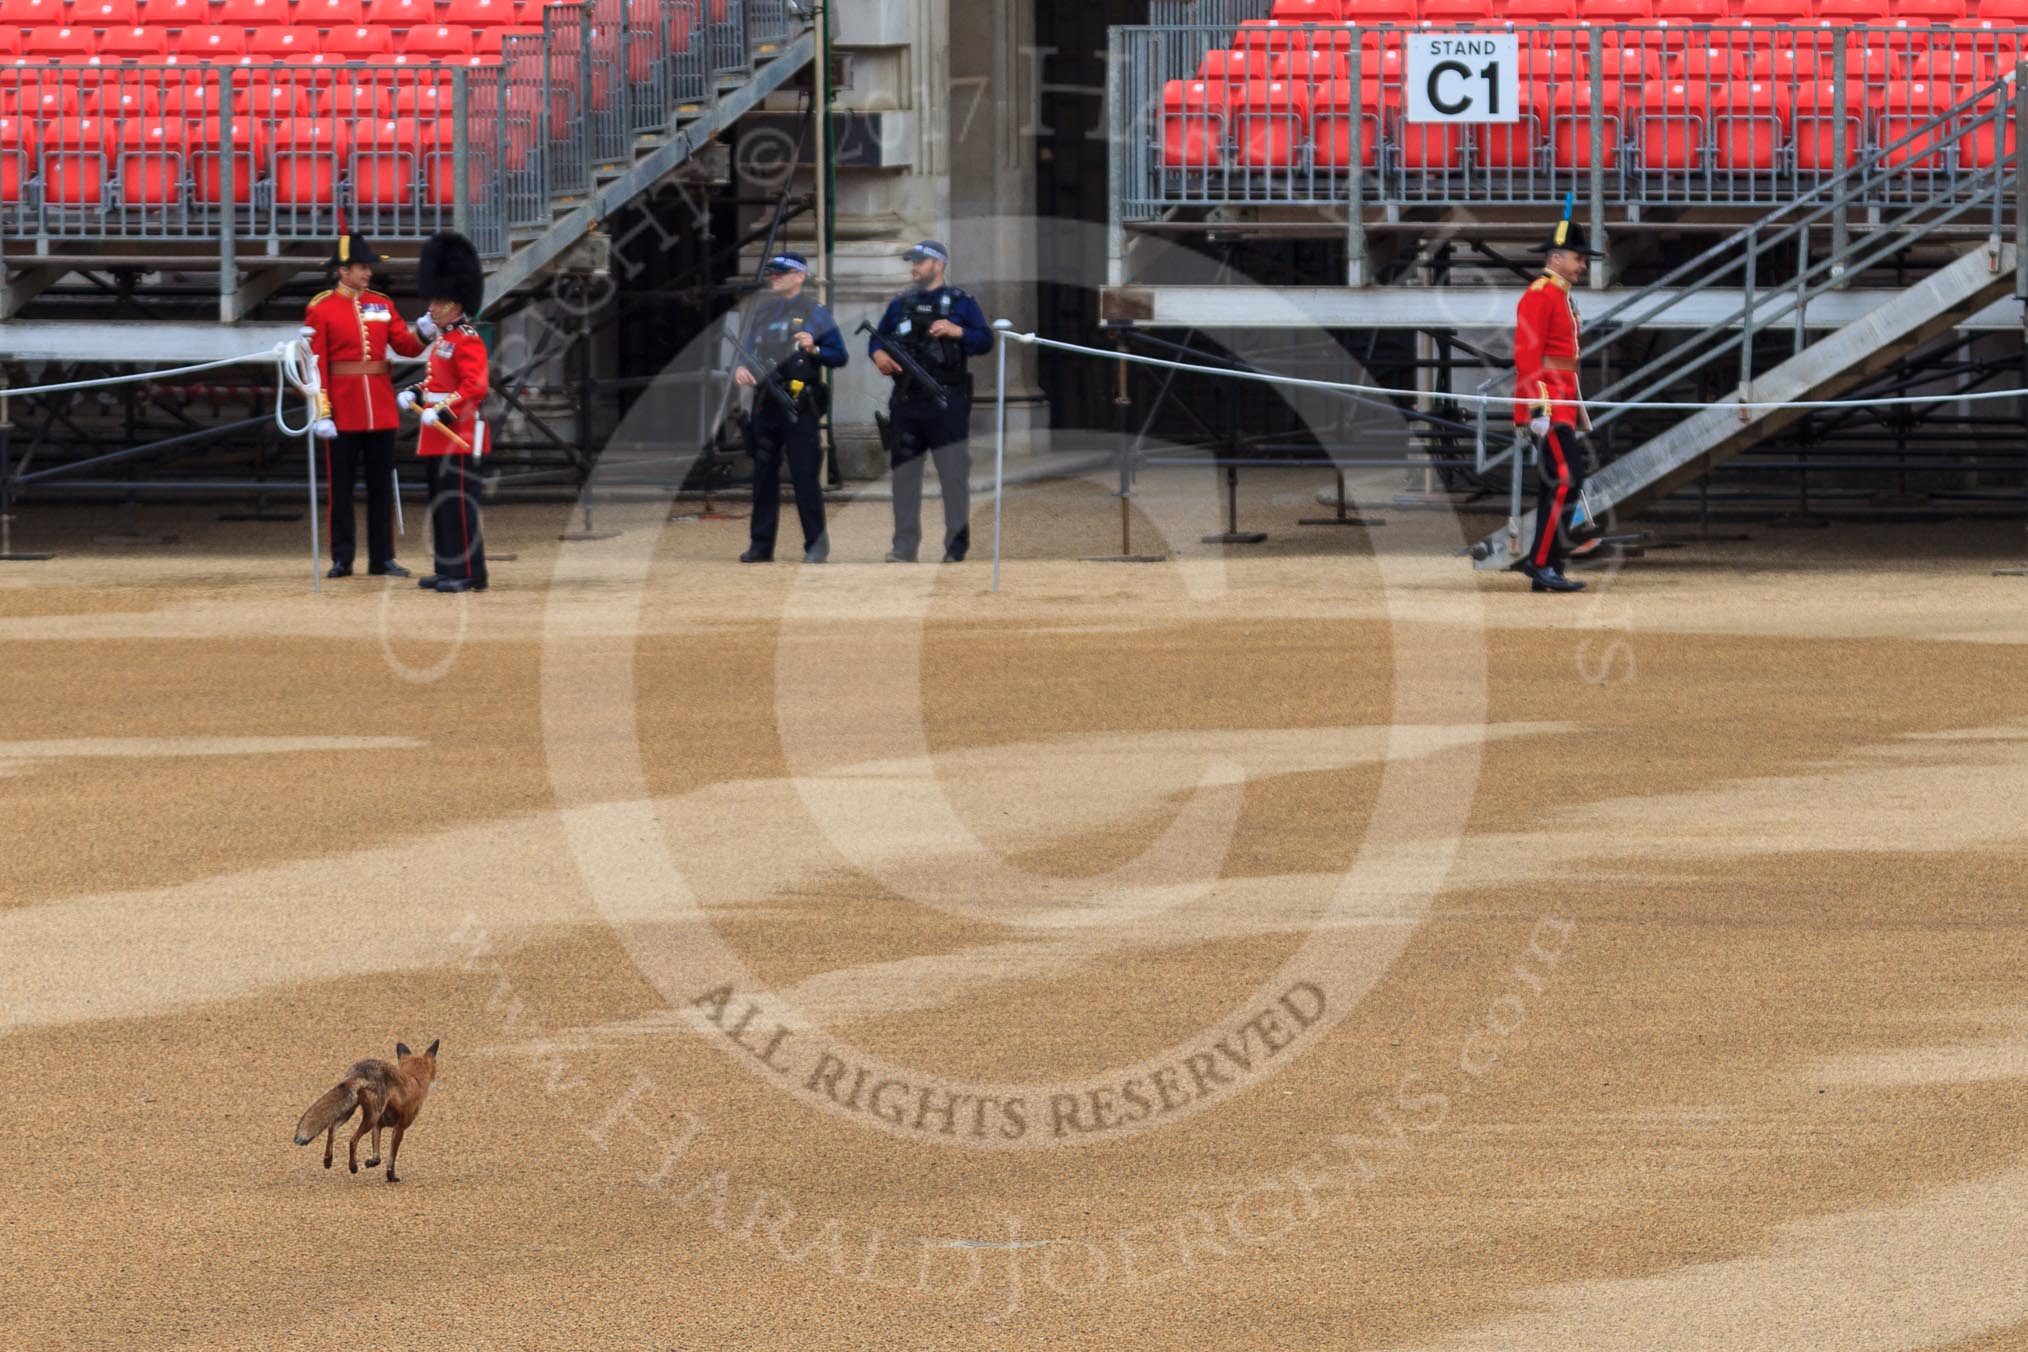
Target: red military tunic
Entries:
(456, 386)
(350, 332)
(1546, 353)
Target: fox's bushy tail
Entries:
(336, 1105)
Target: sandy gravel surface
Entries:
(1308, 944)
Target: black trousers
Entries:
(454, 518)
(1561, 475)
(924, 432)
(777, 436)
(346, 457)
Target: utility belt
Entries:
(359, 368)
(1569, 364)
(812, 398)
(908, 390)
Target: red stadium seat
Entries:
(174, 13)
(1313, 67)
(17, 155)
(1458, 13)
(355, 101)
(330, 13)
(1711, 64)
(401, 14)
(359, 43)
(1854, 11)
(1898, 109)
(1303, 11)
(428, 102)
(499, 13)
(1816, 121)
(103, 13)
(207, 156)
(1615, 11)
(1782, 64)
(1265, 35)
(1570, 128)
(1773, 13)
(1517, 145)
(251, 13)
(33, 13)
(152, 158)
(1540, 11)
(1193, 124)
(133, 44)
(1271, 123)
(492, 41)
(1374, 13)
(1331, 124)
(1670, 126)
(123, 100)
(1990, 144)
(1691, 11)
(273, 44)
(210, 42)
(2002, 13)
(306, 158)
(1929, 11)
(1235, 65)
(437, 42)
(10, 41)
(59, 43)
(1749, 127)
(386, 163)
(74, 162)
(42, 95)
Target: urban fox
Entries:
(385, 1095)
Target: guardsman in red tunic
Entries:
(351, 329)
(1547, 400)
(451, 279)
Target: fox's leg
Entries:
(393, 1149)
(330, 1139)
(374, 1161)
(369, 1117)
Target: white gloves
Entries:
(1539, 425)
(405, 400)
(325, 428)
(427, 327)
(429, 416)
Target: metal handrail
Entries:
(1870, 167)
(1822, 274)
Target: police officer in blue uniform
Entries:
(942, 328)
(793, 339)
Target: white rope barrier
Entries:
(69, 385)
(1343, 387)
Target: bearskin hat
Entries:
(449, 269)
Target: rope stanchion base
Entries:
(2010, 572)
(1340, 519)
(136, 539)
(1124, 558)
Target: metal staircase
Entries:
(1909, 200)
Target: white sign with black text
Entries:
(1463, 77)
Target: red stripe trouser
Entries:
(1562, 471)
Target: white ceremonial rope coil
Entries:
(1341, 387)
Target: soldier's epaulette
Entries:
(1538, 284)
(320, 295)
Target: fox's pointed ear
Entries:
(433, 1047)
(401, 1049)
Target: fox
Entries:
(386, 1095)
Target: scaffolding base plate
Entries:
(1337, 521)
(1244, 537)
(260, 516)
(1125, 558)
(573, 536)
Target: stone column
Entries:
(954, 81)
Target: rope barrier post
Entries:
(1355, 179)
(1232, 534)
(999, 439)
(1122, 407)
(1840, 159)
(316, 546)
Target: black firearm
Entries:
(764, 376)
(909, 365)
